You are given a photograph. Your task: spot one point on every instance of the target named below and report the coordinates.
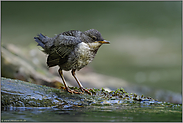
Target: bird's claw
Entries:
(76, 92)
(72, 91)
(86, 90)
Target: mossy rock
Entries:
(18, 93)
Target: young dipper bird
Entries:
(71, 50)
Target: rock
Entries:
(17, 93)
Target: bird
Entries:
(71, 50)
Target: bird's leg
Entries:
(67, 89)
(80, 85)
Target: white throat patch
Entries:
(94, 45)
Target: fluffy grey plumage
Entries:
(71, 50)
(67, 49)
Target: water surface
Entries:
(114, 113)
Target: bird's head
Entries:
(95, 39)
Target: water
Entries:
(114, 113)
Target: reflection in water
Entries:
(113, 113)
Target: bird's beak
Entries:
(104, 42)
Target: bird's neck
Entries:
(94, 45)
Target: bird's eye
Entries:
(94, 38)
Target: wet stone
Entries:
(18, 93)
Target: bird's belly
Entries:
(83, 60)
(85, 55)
(81, 57)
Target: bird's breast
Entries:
(83, 49)
(83, 55)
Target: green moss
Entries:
(28, 94)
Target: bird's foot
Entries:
(76, 92)
(72, 91)
(86, 90)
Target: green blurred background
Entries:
(145, 36)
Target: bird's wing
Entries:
(64, 44)
(71, 37)
(71, 33)
(59, 55)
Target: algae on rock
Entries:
(18, 93)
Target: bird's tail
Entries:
(41, 40)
